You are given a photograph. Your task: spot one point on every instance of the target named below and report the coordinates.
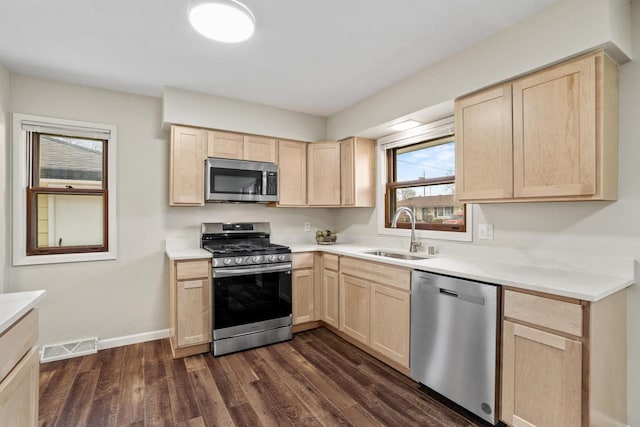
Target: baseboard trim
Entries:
(133, 339)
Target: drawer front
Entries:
(379, 273)
(17, 340)
(330, 262)
(192, 269)
(302, 260)
(549, 313)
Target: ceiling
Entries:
(317, 57)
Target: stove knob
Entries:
(273, 258)
(238, 260)
(282, 257)
(226, 261)
(256, 259)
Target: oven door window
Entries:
(235, 181)
(239, 300)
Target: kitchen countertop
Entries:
(15, 305)
(175, 254)
(556, 281)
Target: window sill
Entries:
(466, 236)
(63, 258)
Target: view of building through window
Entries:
(67, 194)
(424, 181)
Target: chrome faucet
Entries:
(415, 243)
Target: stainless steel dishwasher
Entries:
(454, 327)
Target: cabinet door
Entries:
(303, 296)
(554, 131)
(390, 323)
(484, 145)
(260, 149)
(541, 378)
(347, 172)
(186, 164)
(355, 307)
(225, 145)
(324, 174)
(19, 393)
(330, 298)
(193, 315)
(357, 172)
(292, 169)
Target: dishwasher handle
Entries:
(474, 299)
(448, 292)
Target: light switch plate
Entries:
(307, 226)
(485, 231)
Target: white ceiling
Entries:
(317, 57)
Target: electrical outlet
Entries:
(307, 226)
(485, 231)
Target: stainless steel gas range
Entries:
(251, 286)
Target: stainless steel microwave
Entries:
(240, 181)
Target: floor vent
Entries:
(70, 349)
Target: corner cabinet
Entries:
(341, 173)
(190, 312)
(357, 172)
(188, 151)
(549, 136)
(559, 366)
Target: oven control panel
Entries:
(251, 260)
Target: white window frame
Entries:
(438, 129)
(21, 181)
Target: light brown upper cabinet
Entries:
(484, 145)
(260, 149)
(292, 173)
(549, 136)
(357, 172)
(186, 166)
(225, 144)
(230, 145)
(323, 160)
(341, 173)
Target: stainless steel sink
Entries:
(387, 254)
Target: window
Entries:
(64, 193)
(67, 196)
(421, 176)
(416, 169)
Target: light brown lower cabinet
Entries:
(375, 308)
(390, 317)
(563, 361)
(19, 372)
(303, 290)
(355, 307)
(190, 312)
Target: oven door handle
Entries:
(231, 272)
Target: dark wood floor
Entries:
(317, 379)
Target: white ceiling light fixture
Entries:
(227, 21)
(405, 125)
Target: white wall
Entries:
(4, 173)
(563, 233)
(130, 295)
(562, 29)
(217, 112)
